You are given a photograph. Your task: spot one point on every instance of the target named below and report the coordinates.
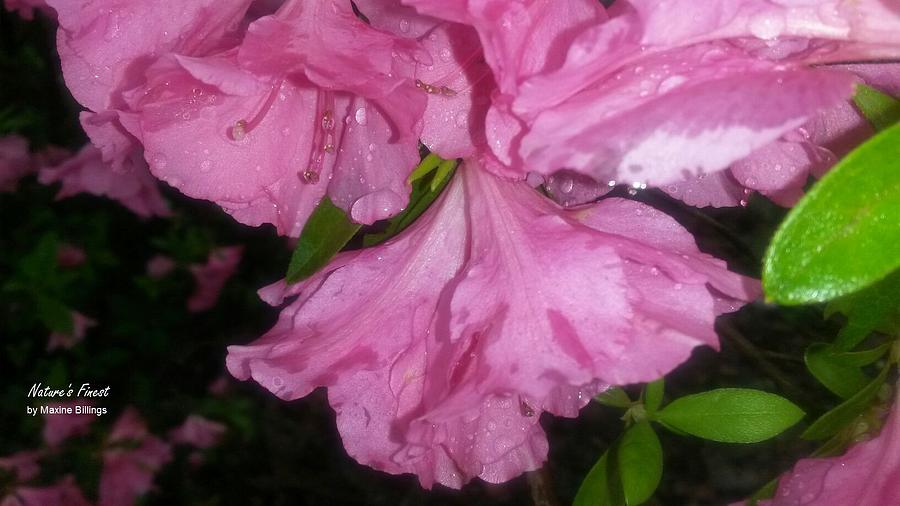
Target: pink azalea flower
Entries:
(869, 473)
(160, 266)
(23, 464)
(198, 432)
(442, 347)
(211, 277)
(80, 325)
(64, 493)
(58, 428)
(86, 172)
(15, 162)
(69, 255)
(128, 471)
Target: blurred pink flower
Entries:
(69, 255)
(868, 474)
(442, 347)
(220, 385)
(210, 278)
(160, 266)
(86, 172)
(27, 8)
(64, 493)
(198, 432)
(80, 325)
(23, 464)
(131, 460)
(15, 161)
(59, 427)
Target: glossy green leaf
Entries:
(833, 421)
(615, 397)
(880, 109)
(876, 308)
(326, 232)
(844, 234)
(844, 379)
(731, 415)
(425, 190)
(640, 460)
(653, 396)
(595, 489)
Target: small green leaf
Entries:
(326, 232)
(865, 357)
(640, 463)
(844, 234)
(428, 164)
(880, 109)
(653, 396)
(840, 377)
(731, 415)
(876, 308)
(615, 397)
(597, 487)
(425, 190)
(833, 421)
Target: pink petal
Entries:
(686, 128)
(128, 471)
(867, 474)
(86, 172)
(63, 493)
(476, 320)
(58, 428)
(104, 48)
(211, 277)
(15, 161)
(80, 324)
(198, 432)
(23, 464)
(160, 266)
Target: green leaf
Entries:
(838, 376)
(880, 109)
(425, 190)
(865, 357)
(615, 397)
(428, 164)
(653, 396)
(731, 415)
(833, 421)
(877, 308)
(596, 489)
(640, 461)
(54, 314)
(844, 234)
(326, 232)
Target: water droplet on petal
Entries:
(404, 25)
(361, 116)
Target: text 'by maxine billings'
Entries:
(83, 405)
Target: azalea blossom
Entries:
(441, 348)
(15, 161)
(130, 461)
(86, 172)
(66, 340)
(868, 473)
(159, 266)
(63, 493)
(24, 465)
(198, 432)
(210, 278)
(60, 427)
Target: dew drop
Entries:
(445, 54)
(404, 25)
(361, 116)
(567, 186)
